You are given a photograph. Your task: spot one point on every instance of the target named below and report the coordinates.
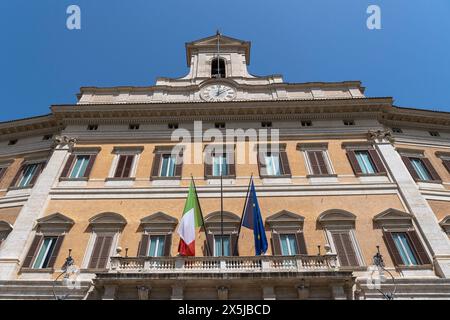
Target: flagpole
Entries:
(242, 216)
(221, 210)
(201, 215)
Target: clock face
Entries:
(218, 92)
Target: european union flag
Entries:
(252, 219)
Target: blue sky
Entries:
(132, 42)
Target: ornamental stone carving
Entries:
(380, 135)
(64, 141)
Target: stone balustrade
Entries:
(298, 263)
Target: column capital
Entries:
(380, 136)
(62, 142)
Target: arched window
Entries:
(218, 68)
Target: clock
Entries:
(218, 92)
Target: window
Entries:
(272, 161)
(101, 251)
(404, 248)
(92, 127)
(133, 126)
(434, 133)
(365, 162)
(156, 246)
(219, 125)
(401, 239)
(318, 162)
(2, 172)
(5, 229)
(219, 165)
(420, 167)
(47, 137)
(172, 125)
(124, 166)
(218, 240)
(43, 252)
(445, 162)
(218, 68)
(167, 165)
(12, 142)
(397, 130)
(306, 123)
(288, 244)
(349, 122)
(27, 175)
(266, 124)
(80, 166)
(344, 247)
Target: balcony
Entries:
(254, 264)
(261, 277)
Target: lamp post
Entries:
(379, 263)
(69, 262)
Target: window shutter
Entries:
(208, 165)
(32, 251)
(120, 166)
(301, 244)
(2, 172)
(354, 162)
(155, 165)
(446, 164)
(100, 253)
(104, 253)
(395, 255)
(285, 163)
(262, 164)
(418, 247)
(55, 252)
(377, 161)
(276, 245)
(168, 245)
(128, 164)
(92, 158)
(66, 170)
(313, 162)
(339, 245)
(17, 176)
(179, 166)
(410, 168)
(234, 250)
(37, 173)
(143, 245)
(231, 164)
(434, 175)
(349, 249)
(210, 240)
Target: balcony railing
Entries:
(298, 263)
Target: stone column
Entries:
(16, 245)
(431, 232)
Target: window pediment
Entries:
(159, 221)
(393, 218)
(108, 220)
(285, 219)
(5, 226)
(230, 222)
(55, 222)
(336, 217)
(445, 224)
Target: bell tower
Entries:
(205, 61)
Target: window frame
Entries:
(40, 163)
(330, 229)
(125, 151)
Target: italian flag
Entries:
(190, 221)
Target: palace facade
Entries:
(351, 175)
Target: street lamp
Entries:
(379, 262)
(68, 263)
